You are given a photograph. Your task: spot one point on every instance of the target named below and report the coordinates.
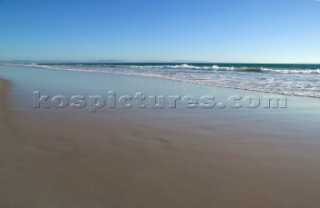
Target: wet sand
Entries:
(68, 160)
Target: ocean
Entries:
(284, 79)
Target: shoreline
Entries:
(157, 76)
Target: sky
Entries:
(250, 31)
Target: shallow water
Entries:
(286, 79)
(26, 80)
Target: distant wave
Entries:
(182, 66)
(235, 69)
(185, 67)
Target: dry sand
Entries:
(50, 162)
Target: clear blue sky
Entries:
(163, 30)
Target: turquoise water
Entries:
(284, 79)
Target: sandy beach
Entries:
(159, 104)
(47, 161)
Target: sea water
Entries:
(285, 79)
